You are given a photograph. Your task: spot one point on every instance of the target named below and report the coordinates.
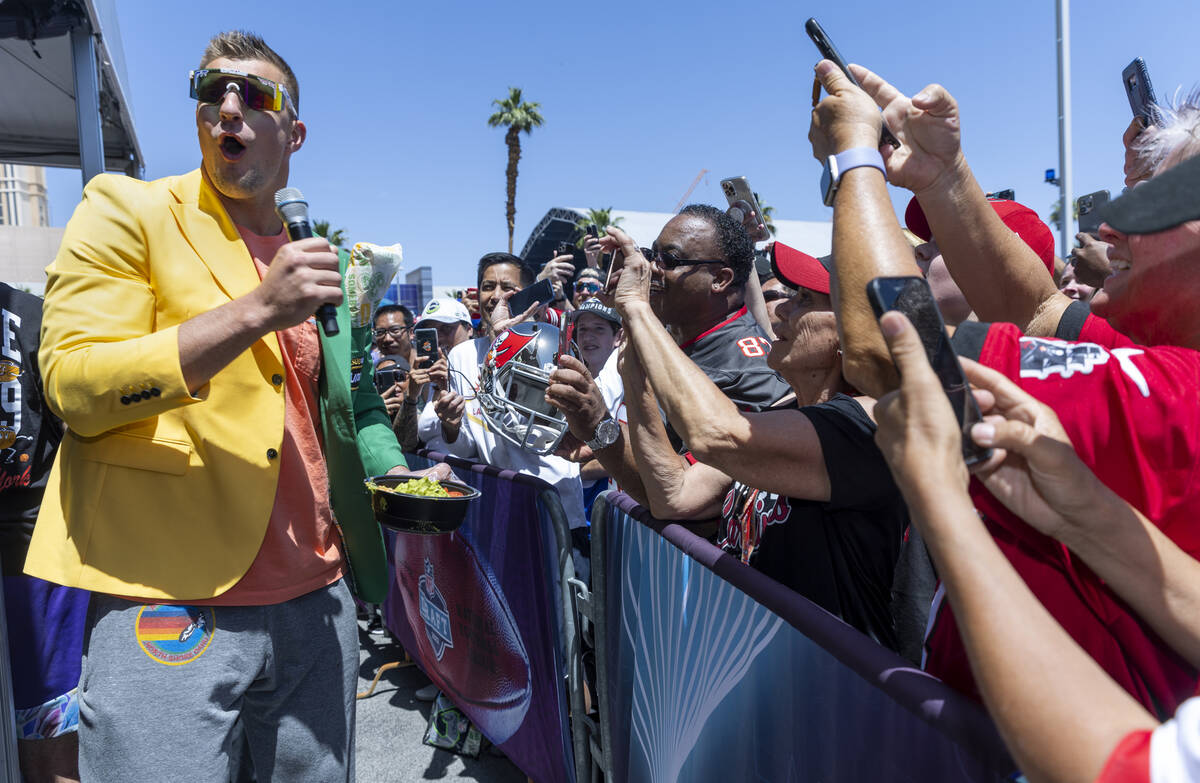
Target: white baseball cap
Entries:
(446, 311)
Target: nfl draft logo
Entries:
(434, 614)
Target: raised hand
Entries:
(918, 432)
(629, 282)
(845, 118)
(1090, 260)
(927, 125)
(502, 319)
(574, 392)
(559, 271)
(1039, 478)
(393, 397)
(302, 276)
(1138, 166)
(450, 407)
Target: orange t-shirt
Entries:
(302, 548)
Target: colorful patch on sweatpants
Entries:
(175, 635)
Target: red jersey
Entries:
(1169, 754)
(1133, 414)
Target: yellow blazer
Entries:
(156, 493)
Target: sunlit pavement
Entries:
(391, 724)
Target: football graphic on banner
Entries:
(467, 638)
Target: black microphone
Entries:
(293, 211)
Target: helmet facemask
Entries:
(512, 388)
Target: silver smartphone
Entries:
(743, 207)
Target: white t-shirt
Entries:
(612, 389)
(477, 441)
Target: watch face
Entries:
(607, 432)
(827, 183)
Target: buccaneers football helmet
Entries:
(512, 387)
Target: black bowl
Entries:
(417, 513)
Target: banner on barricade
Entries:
(476, 609)
(708, 680)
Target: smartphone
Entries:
(617, 262)
(426, 342)
(472, 296)
(578, 257)
(541, 292)
(1088, 208)
(911, 296)
(384, 379)
(593, 230)
(829, 52)
(743, 207)
(1140, 92)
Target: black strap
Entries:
(968, 339)
(1070, 325)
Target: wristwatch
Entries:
(607, 432)
(837, 165)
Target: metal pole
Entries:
(87, 102)
(1067, 226)
(10, 772)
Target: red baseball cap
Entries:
(1020, 219)
(798, 269)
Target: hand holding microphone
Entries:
(304, 273)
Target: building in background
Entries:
(414, 292)
(23, 196)
(27, 242)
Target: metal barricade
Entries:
(710, 670)
(8, 717)
(556, 550)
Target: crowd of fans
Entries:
(813, 441)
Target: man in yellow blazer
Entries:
(209, 490)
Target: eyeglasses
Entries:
(665, 261)
(774, 295)
(209, 85)
(394, 331)
(588, 286)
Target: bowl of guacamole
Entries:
(420, 505)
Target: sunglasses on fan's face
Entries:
(209, 85)
(665, 261)
(588, 287)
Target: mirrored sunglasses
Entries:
(209, 85)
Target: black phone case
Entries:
(825, 46)
(541, 291)
(427, 344)
(1140, 91)
(944, 365)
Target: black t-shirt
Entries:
(841, 554)
(29, 434)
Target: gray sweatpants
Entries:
(169, 692)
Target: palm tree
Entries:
(516, 115)
(601, 218)
(1054, 218)
(335, 237)
(768, 214)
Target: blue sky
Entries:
(638, 98)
